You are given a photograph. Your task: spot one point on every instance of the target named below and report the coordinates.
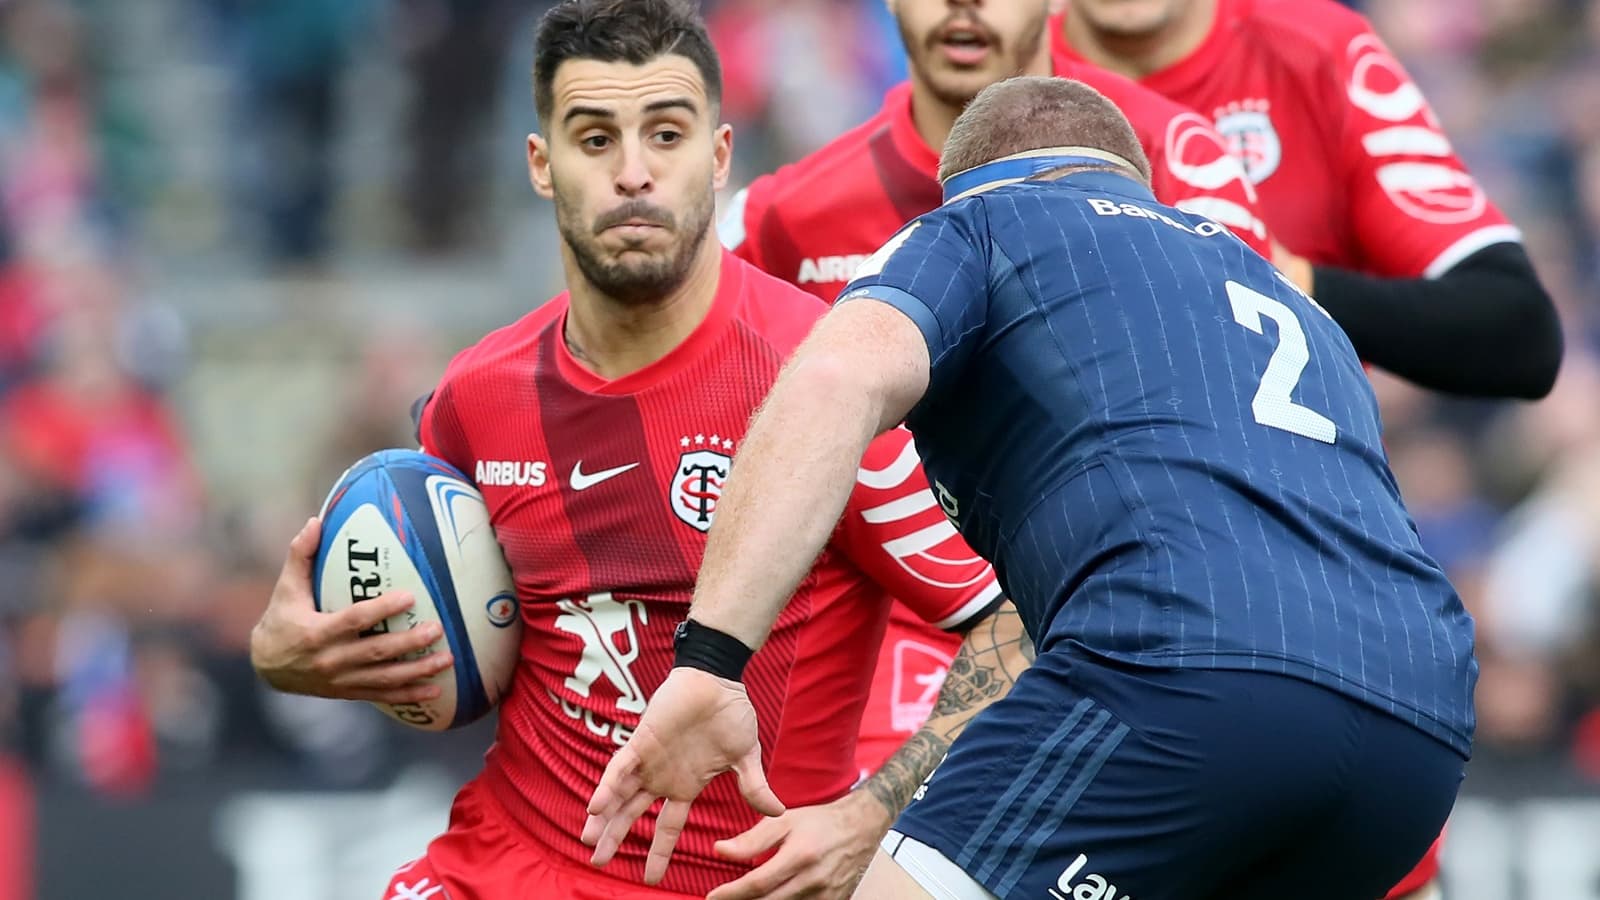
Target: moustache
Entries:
(635, 209)
(975, 24)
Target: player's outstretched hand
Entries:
(822, 851)
(696, 727)
(302, 651)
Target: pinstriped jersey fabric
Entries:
(1171, 455)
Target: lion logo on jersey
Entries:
(698, 477)
(1251, 137)
(610, 645)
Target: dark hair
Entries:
(632, 31)
(1036, 113)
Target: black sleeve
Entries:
(1484, 328)
(417, 406)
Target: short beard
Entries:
(650, 279)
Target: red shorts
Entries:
(1426, 871)
(479, 858)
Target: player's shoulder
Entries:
(487, 358)
(773, 310)
(1302, 32)
(830, 175)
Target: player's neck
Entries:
(613, 339)
(934, 117)
(1145, 54)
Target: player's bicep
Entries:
(1415, 209)
(895, 531)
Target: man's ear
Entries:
(539, 166)
(722, 150)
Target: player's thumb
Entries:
(767, 834)
(303, 550)
(303, 546)
(753, 784)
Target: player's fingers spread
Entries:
(617, 825)
(765, 835)
(674, 813)
(619, 781)
(753, 784)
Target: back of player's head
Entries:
(1038, 113)
(627, 31)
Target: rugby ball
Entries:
(400, 520)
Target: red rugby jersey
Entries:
(1351, 164)
(811, 223)
(601, 493)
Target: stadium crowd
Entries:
(154, 156)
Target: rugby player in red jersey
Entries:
(599, 428)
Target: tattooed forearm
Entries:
(989, 662)
(899, 778)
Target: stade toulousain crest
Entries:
(1247, 126)
(698, 477)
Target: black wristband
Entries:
(709, 650)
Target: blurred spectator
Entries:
(455, 50)
(287, 57)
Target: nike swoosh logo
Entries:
(581, 482)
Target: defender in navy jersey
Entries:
(1251, 682)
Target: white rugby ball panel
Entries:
(478, 571)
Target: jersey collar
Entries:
(1022, 166)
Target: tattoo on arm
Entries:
(989, 662)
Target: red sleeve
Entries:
(894, 531)
(740, 226)
(1192, 169)
(439, 427)
(1415, 209)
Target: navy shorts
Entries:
(1097, 779)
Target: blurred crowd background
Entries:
(238, 237)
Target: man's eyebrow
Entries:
(598, 112)
(672, 103)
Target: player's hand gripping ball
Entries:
(403, 520)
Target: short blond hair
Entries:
(1035, 113)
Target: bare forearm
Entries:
(789, 484)
(989, 662)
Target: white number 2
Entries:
(1272, 405)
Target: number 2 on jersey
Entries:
(1272, 406)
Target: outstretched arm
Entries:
(857, 375)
